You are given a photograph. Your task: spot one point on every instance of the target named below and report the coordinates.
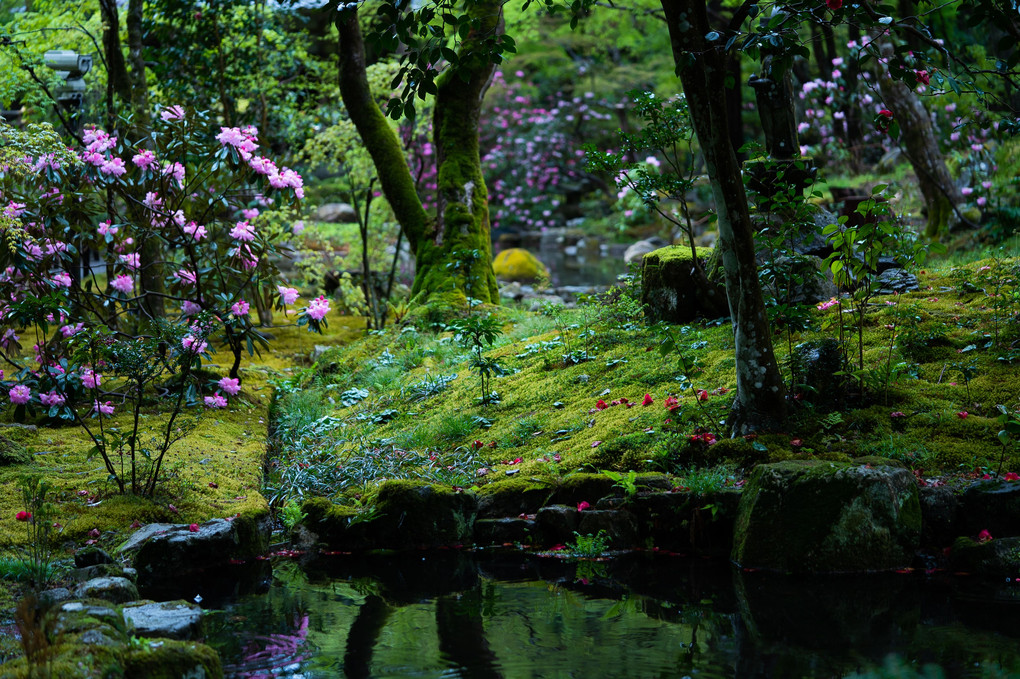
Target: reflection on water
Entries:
(450, 614)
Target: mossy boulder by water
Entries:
(993, 506)
(517, 264)
(826, 517)
(672, 290)
(992, 558)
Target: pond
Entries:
(455, 614)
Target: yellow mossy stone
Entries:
(517, 264)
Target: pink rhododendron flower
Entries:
(186, 276)
(51, 399)
(113, 166)
(287, 295)
(981, 201)
(90, 379)
(215, 401)
(243, 231)
(231, 385)
(240, 308)
(189, 308)
(318, 308)
(20, 394)
(72, 330)
(106, 228)
(194, 344)
(144, 159)
(196, 231)
(102, 408)
(131, 261)
(61, 280)
(822, 306)
(123, 283)
(298, 227)
(886, 112)
(172, 113)
(897, 414)
(922, 77)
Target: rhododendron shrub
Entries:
(74, 329)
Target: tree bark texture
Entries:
(761, 396)
(462, 223)
(917, 137)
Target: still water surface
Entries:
(450, 614)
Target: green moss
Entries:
(517, 264)
(12, 452)
(171, 660)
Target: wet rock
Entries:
(113, 589)
(335, 213)
(504, 531)
(52, 597)
(992, 558)
(102, 570)
(172, 553)
(557, 524)
(939, 512)
(825, 517)
(637, 250)
(91, 556)
(816, 365)
(896, 281)
(993, 506)
(619, 525)
(673, 292)
(140, 536)
(168, 619)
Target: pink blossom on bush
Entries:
(240, 308)
(61, 280)
(189, 308)
(102, 408)
(106, 228)
(243, 231)
(71, 330)
(318, 308)
(215, 401)
(123, 283)
(231, 385)
(287, 295)
(131, 261)
(144, 159)
(20, 394)
(172, 113)
(113, 166)
(51, 399)
(90, 379)
(186, 276)
(196, 231)
(194, 344)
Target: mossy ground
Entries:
(227, 449)
(547, 422)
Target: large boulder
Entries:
(635, 251)
(166, 619)
(175, 552)
(517, 264)
(993, 558)
(335, 212)
(825, 517)
(672, 291)
(993, 506)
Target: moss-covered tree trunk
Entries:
(760, 402)
(917, 137)
(462, 223)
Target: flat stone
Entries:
(112, 589)
(138, 538)
(91, 556)
(557, 523)
(166, 619)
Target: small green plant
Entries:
(703, 481)
(38, 519)
(626, 483)
(1009, 433)
(476, 333)
(589, 546)
(291, 514)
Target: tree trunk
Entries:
(463, 219)
(117, 74)
(149, 250)
(761, 396)
(917, 137)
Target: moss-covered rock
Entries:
(517, 264)
(993, 506)
(12, 452)
(672, 291)
(809, 516)
(167, 659)
(404, 514)
(993, 558)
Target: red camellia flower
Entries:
(702, 395)
(1012, 476)
(922, 77)
(23, 516)
(834, 4)
(477, 444)
(94, 533)
(962, 414)
(647, 400)
(671, 403)
(885, 112)
(984, 536)
(582, 505)
(601, 405)
(193, 528)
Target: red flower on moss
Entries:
(23, 516)
(193, 528)
(984, 536)
(601, 405)
(962, 414)
(1012, 476)
(582, 505)
(671, 403)
(702, 395)
(647, 400)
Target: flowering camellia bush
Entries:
(122, 262)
